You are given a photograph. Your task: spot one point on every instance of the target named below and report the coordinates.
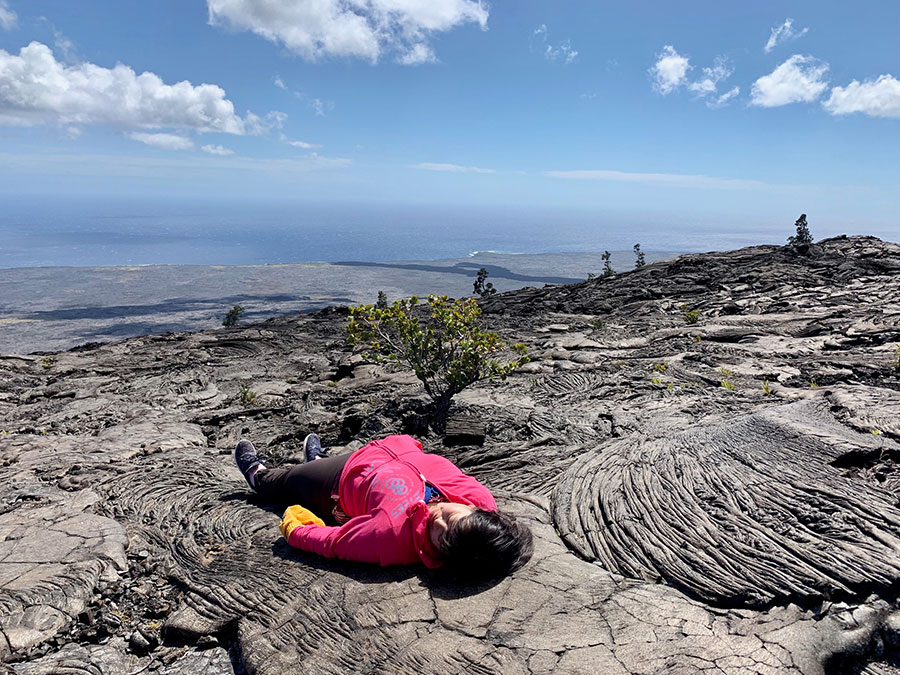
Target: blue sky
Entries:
(689, 111)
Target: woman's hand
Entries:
(295, 516)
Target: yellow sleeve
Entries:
(295, 516)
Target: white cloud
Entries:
(219, 150)
(670, 70)
(724, 98)
(665, 179)
(563, 52)
(709, 83)
(783, 33)
(8, 18)
(418, 53)
(318, 105)
(258, 125)
(163, 141)
(452, 168)
(799, 79)
(876, 98)
(37, 89)
(65, 46)
(142, 165)
(300, 144)
(349, 28)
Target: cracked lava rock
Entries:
(705, 448)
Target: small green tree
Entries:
(447, 350)
(803, 236)
(485, 290)
(690, 316)
(639, 259)
(608, 270)
(382, 302)
(233, 316)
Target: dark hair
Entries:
(486, 545)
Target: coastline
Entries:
(47, 309)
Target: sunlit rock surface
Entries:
(718, 495)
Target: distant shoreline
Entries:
(480, 255)
(57, 308)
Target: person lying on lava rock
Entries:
(390, 503)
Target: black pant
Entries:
(311, 485)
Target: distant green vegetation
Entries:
(639, 259)
(802, 236)
(482, 286)
(608, 270)
(233, 316)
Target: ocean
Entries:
(93, 232)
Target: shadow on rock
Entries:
(441, 584)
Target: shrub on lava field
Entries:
(482, 286)
(233, 316)
(690, 316)
(447, 350)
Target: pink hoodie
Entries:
(381, 489)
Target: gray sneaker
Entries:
(245, 457)
(312, 448)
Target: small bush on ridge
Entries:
(485, 290)
(233, 316)
(639, 258)
(803, 236)
(608, 270)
